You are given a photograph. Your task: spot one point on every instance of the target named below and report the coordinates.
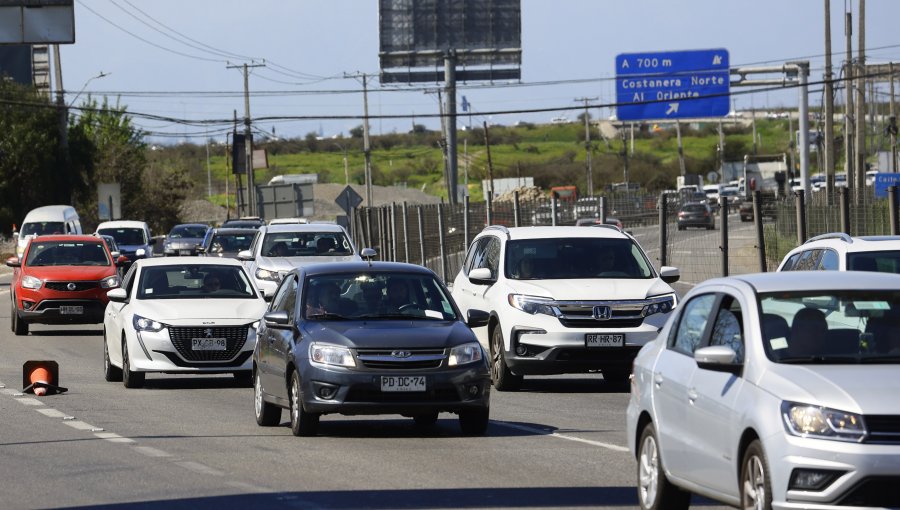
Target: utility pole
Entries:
(450, 80)
(861, 105)
(849, 156)
(248, 138)
(680, 147)
(828, 155)
(721, 147)
(893, 124)
(367, 150)
(487, 146)
(63, 114)
(587, 145)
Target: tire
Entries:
(302, 423)
(130, 379)
(501, 377)
(426, 421)
(110, 373)
(244, 378)
(267, 415)
(655, 491)
(18, 326)
(756, 486)
(474, 422)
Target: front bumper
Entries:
(359, 392)
(168, 352)
(43, 306)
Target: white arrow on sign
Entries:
(673, 108)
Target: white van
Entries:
(50, 219)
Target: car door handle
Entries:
(692, 396)
(657, 380)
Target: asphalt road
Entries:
(192, 442)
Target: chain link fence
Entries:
(743, 237)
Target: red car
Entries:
(62, 279)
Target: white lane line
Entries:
(247, 487)
(29, 401)
(10, 392)
(534, 430)
(199, 468)
(149, 451)
(112, 437)
(51, 413)
(80, 425)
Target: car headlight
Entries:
(140, 252)
(821, 422)
(660, 304)
(145, 324)
(265, 274)
(327, 354)
(30, 282)
(465, 353)
(532, 304)
(109, 282)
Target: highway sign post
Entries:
(672, 85)
(348, 199)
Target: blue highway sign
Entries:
(672, 85)
(883, 181)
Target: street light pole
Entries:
(92, 78)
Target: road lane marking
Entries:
(149, 451)
(51, 413)
(112, 437)
(29, 401)
(199, 468)
(10, 392)
(80, 425)
(543, 432)
(247, 487)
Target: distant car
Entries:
(838, 251)
(696, 215)
(227, 242)
(132, 237)
(279, 248)
(772, 391)
(247, 222)
(181, 315)
(62, 279)
(369, 338)
(185, 239)
(287, 221)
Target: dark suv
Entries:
(696, 214)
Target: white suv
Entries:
(840, 252)
(563, 300)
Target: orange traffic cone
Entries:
(41, 378)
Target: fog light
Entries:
(521, 350)
(27, 305)
(326, 392)
(812, 479)
(473, 390)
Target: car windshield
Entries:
(306, 244)
(42, 228)
(111, 242)
(578, 258)
(187, 231)
(376, 296)
(230, 242)
(126, 236)
(847, 326)
(67, 253)
(195, 281)
(880, 261)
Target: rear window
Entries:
(694, 208)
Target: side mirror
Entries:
(368, 253)
(153, 241)
(115, 254)
(481, 276)
(718, 358)
(669, 274)
(245, 255)
(117, 295)
(13, 262)
(122, 260)
(277, 320)
(477, 318)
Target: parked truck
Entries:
(767, 174)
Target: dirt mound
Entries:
(526, 194)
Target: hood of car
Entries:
(67, 273)
(284, 264)
(592, 289)
(391, 334)
(184, 242)
(866, 389)
(210, 311)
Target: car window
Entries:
(230, 242)
(492, 256)
(809, 260)
(195, 281)
(188, 231)
(305, 244)
(881, 261)
(692, 323)
(789, 265)
(474, 252)
(728, 328)
(829, 261)
(67, 253)
(126, 236)
(481, 254)
(286, 299)
(575, 258)
(128, 282)
(278, 299)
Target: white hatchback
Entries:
(181, 315)
(773, 390)
(838, 251)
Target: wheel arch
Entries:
(643, 420)
(747, 437)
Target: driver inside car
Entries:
(397, 296)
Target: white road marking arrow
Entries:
(673, 108)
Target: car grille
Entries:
(64, 286)
(442, 393)
(235, 337)
(623, 314)
(384, 359)
(874, 492)
(883, 429)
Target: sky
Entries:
(170, 59)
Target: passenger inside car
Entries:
(279, 249)
(397, 295)
(808, 330)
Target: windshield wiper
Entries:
(326, 316)
(881, 359)
(819, 360)
(390, 316)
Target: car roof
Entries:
(204, 225)
(813, 281)
(67, 237)
(122, 224)
(354, 266)
(856, 244)
(48, 212)
(235, 230)
(304, 227)
(516, 233)
(181, 261)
